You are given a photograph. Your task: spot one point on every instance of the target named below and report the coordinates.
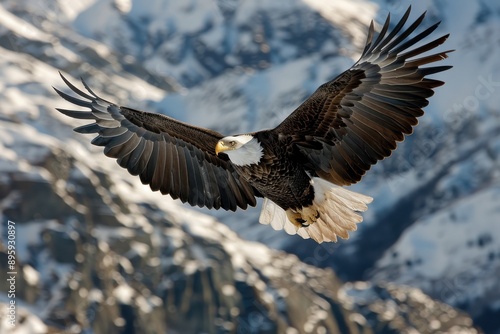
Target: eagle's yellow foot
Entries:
(310, 214)
(295, 218)
(303, 218)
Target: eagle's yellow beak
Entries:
(220, 147)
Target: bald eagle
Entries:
(301, 166)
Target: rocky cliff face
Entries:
(93, 258)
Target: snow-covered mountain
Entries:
(238, 66)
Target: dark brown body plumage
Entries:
(286, 184)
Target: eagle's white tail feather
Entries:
(338, 207)
(273, 214)
(303, 233)
(339, 211)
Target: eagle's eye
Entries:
(232, 143)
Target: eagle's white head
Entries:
(242, 150)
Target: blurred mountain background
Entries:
(98, 252)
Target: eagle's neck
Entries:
(248, 154)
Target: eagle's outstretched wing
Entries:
(172, 157)
(353, 121)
